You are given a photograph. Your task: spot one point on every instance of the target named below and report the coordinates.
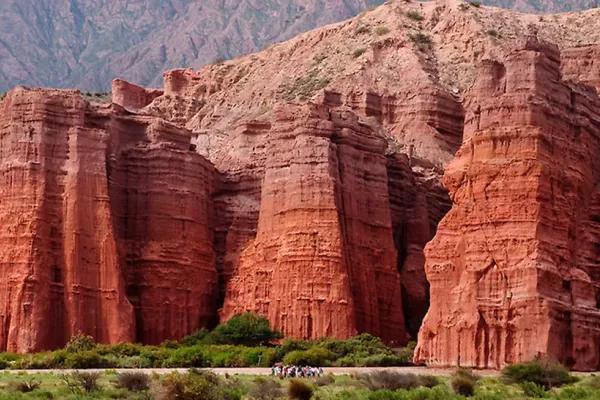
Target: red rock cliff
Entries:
(100, 210)
(323, 262)
(513, 268)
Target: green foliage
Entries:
(429, 381)
(531, 389)
(78, 381)
(415, 15)
(80, 342)
(194, 385)
(382, 30)
(359, 52)
(463, 382)
(300, 390)
(544, 373)
(316, 357)
(83, 360)
(303, 88)
(249, 329)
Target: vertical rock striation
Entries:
(101, 209)
(323, 261)
(513, 268)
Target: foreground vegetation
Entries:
(382, 385)
(245, 341)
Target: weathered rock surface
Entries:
(100, 210)
(131, 96)
(514, 266)
(323, 261)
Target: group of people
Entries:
(285, 371)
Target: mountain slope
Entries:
(86, 43)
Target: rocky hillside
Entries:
(305, 182)
(86, 43)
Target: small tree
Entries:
(80, 342)
(249, 329)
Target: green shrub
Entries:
(316, 357)
(420, 38)
(429, 381)
(299, 390)
(359, 52)
(544, 373)
(385, 395)
(83, 360)
(593, 382)
(324, 380)
(382, 30)
(265, 389)
(531, 389)
(249, 329)
(415, 15)
(133, 381)
(194, 385)
(80, 342)
(463, 382)
(390, 380)
(185, 357)
(195, 338)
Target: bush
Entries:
(463, 382)
(133, 381)
(83, 360)
(362, 29)
(474, 3)
(185, 357)
(249, 329)
(189, 386)
(80, 342)
(359, 52)
(324, 380)
(195, 338)
(299, 390)
(382, 30)
(315, 357)
(385, 395)
(265, 389)
(380, 380)
(78, 380)
(24, 386)
(533, 390)
(429, 381)
(544, 373)
(493, 33)
(420, 38)
(415, 15)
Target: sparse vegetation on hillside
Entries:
(359, 52)
(97, 97)
(493, 33)
(474, 3)
(305, 87)
(382, 30)
(362, 29)
(415, 15)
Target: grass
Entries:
(267, 388)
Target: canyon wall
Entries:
(108, 227)
(513, 268)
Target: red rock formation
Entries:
(581, 64)
(513, 268)
(323, 261)
(131, 96)
(59, 258)
(100, 208)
